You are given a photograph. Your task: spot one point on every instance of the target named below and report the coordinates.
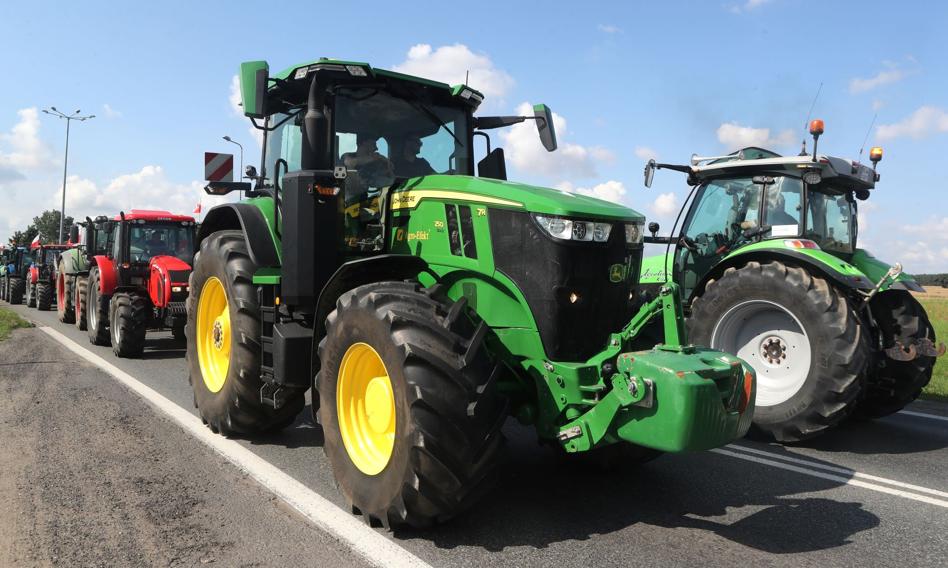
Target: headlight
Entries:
(633, 233)
(574, 229)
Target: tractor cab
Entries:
(141, 238)
(44, 258)
(756, 195)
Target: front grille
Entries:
(177, 309)
(548, 272)
(179, 276)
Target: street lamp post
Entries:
(69, 118)
(240, 172)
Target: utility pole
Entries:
(69, 118)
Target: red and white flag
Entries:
(36, 242)
(198, 208)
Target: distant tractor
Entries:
(767, 260)
(422, 305)
(15, 275)
(91, 239)
(6, 254)
(141, 282)
(41, 283)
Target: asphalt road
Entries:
(872, 494)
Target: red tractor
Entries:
(142, 282)
(41, 279)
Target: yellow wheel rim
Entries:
(213, 334)
(365, 405)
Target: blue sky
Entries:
(628, 80)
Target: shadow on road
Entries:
(544, 502)
(894, 435)
(303, 433)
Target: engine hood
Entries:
(508, 194)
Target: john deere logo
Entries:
(617, 273)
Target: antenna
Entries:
(813, 104)
(467, 75)
(864, 140)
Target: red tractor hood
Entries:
(164, 274)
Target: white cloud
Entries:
(611, 190)
(27, 150)
(926, 120)
(148, 188)
(110, 112)
(523, 149)
(734, 136)
(933, 229)
(665, 205)
(645, 153)
(877, 104)
(235, 105)
(891, 74)
(747, 6)
(609, 29)
(235, 97)
(449, 63)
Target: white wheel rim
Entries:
(773, 341)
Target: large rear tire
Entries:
(408, 404)
(894, 384)
(128, 321)
(16, 290)
(79, 303)
(44, 296)
(801, 336)
(224, 347)
(4, 285)
(31, 296)
(97, 311)
(65, 295)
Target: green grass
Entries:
(937, 309)
(10, 321)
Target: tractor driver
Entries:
(408, 163)
(375, 170)
(155, 245)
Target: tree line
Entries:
(46, 225)
(932, 279)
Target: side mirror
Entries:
(544, 120)
(649, 173)
(74, 234)
(254, 76)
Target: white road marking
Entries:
(837, 478)
(843, 470)
(923, 415)
(353, 533)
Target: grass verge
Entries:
(10, 321)
(937, 308)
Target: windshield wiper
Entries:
(429, 113)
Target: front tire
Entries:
(408, 405)
(79, 303)
(97, 311)
(16, 290)
(800, 334)
(128, 321)
(894, 384)
(224, 347)
(31, 296)
(65, 296)
(44, 296)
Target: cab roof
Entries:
(153, 215)
(840, 172)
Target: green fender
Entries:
(74, 261)
(861, 271)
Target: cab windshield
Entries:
(148, 240)
(829, 221)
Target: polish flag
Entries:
(198, 208)
(35, 243)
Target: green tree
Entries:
(47, 224)
(23, 238)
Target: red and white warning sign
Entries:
(218, 167)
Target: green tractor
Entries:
(767, 262)
(92, 238)
(423, 305)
